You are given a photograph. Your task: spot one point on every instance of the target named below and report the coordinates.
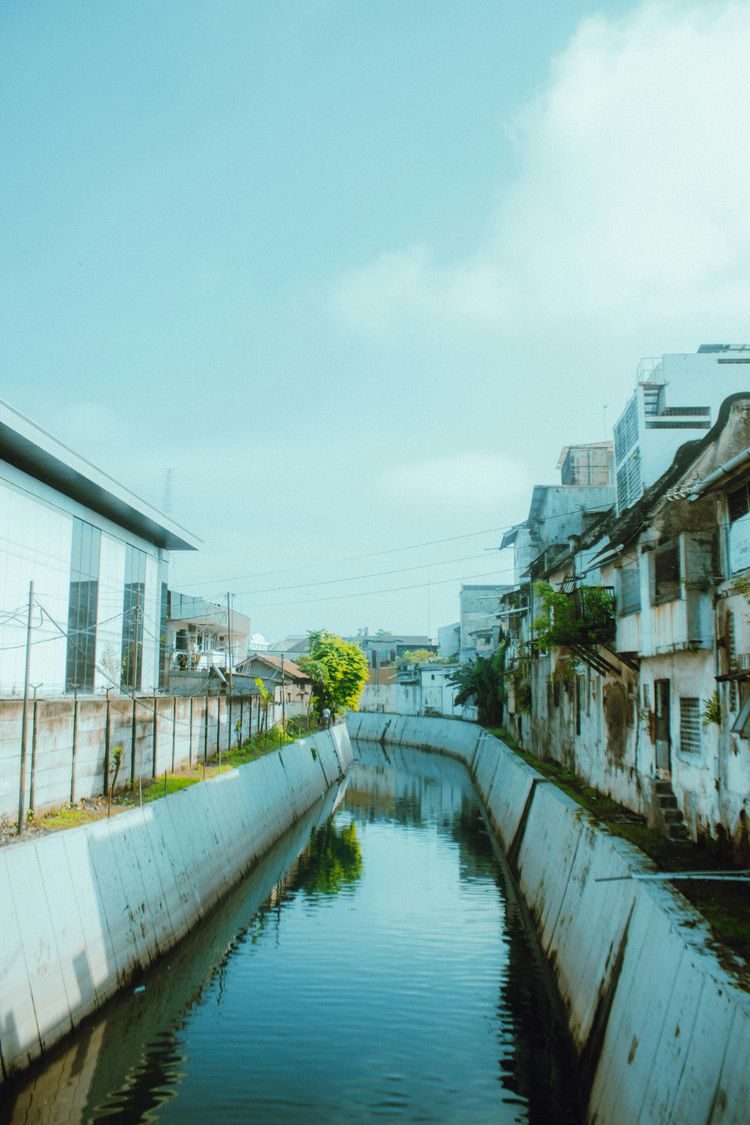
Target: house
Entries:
(97, 556)
(290, 688)
(426, 689)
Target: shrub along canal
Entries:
(378, 963)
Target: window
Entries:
(665, 573)
(737, 502)
(630, 590)
(132, 619)
(80, 663)
(690, 724)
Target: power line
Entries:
(349, 558)
(356, 577)
(389, 590)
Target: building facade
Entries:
(97, 557)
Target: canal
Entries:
(378, 964)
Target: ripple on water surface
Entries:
(377, 964)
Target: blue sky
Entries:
(356, 271)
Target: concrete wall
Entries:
(186, 731)
(86, 909)
(662, 1029)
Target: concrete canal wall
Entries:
(661, 1029)
(87, 909)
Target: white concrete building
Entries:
(97, 556)
(677, 397)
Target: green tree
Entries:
(417, 656)
(338, 670)
(482, 682)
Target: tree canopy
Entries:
(338, 670)
(482, 681)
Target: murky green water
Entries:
(387, 972)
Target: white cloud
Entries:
(631, 202)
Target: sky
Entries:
(332, 282)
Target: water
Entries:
(387, 972)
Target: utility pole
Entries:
(229, 670)
(134, 670)
(283, 697)
(25, 718)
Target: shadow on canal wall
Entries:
(123, 1047)
(87, 910)
(661, 1029)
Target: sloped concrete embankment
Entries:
(661, 1029)
(87, 909)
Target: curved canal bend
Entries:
(378, 963)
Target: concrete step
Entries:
(677, 832)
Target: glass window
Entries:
(80, 664)
(132, 619)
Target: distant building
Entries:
(479, 625)
(677, 397)
(449, 640)
(383, 648)
(590, 466)
(203, 635)
(98, 557)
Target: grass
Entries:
(725, 906)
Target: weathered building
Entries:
(649, 701)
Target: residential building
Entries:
(384, 648)
(97, 556)
(290, 688)
(449, 641)
(205, 641)
(676, 398)
(644, 689)
(479, 625)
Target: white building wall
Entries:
(37, 523)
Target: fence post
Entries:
(174, 727)
(132, 747)
(32, 789)
(75, 746)
(153, 763)
(106, 745)
(190, 735)
(205, 739)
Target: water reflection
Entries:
(377, 964)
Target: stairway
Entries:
(668, 811)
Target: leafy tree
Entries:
(417, 656)
(482, 681)
(338, 670)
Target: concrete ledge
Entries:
(661, 1028)
(86, 909)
